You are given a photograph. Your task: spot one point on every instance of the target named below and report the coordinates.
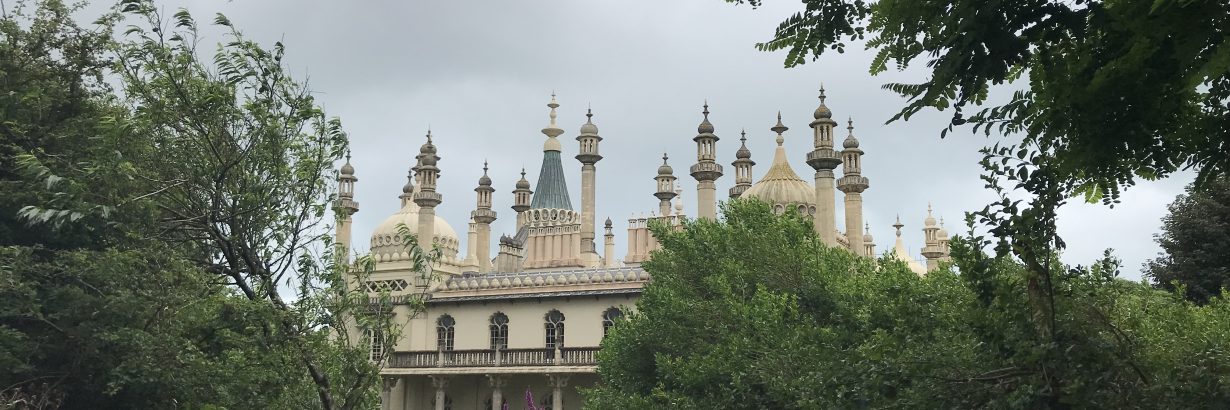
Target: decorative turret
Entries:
(552, 188)
(931, 241)
(666, 186)
(780, 186)
(869, 243)
(427, 198)
(743, 167)
(943, 240)
(852, 183)
(344, 207)
(521, 199)
(824, 160)
(706, 170)
(608, 251)
(588, 155)
(483, 217)
(407, 190)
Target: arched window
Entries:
(444, 332)
(608, 319)
(499, 331)
(555, 329)
(375, 345)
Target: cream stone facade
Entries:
(532, 317)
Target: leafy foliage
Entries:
(1195, 238)
(755, 312)
(1114, 89)
(168, 248)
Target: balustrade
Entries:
(568, 356)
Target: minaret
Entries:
(344, 207)
(427, 198)
(945, 254)
(852, 183)
(869, 243)
(824, 160)
(931, 241)
(483, 217)
(743, 167)
(521, 199)
(666, 187)
(608, 251)
(706, 170)
(588, 155)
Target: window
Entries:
(375, 345)
(499, 331)
(608, 319)
(444, 332)
(555, 329)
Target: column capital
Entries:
(497, 380)
(439, 381)
(389, 382)
(558, 380)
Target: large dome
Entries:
(387, 246)
(783, 188)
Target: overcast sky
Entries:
(480, 74)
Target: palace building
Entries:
(533, 315)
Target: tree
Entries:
(1114, 90)
(170, 248)
(1195, 238)
(755, 312)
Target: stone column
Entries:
(558, 383)
(497, 393)
(440, 383)
(386, 396)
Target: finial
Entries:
(867, 227)
(941, 222)
(743, 136)
(706, 110)
(850, 124)
(484, 167)
(522, 172)
(779, 128)
(928, 208)
(898, 225)
(589, 115)
(664, 157)
(821, 93)
(428, 134)
(347, 155)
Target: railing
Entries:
(568, 356)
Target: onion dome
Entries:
(589, 128)
(743, 152)
(930, 221)
(705, 126)
(867, 234)
(781, 186)
(387, 244)
(943, 233)
(408, 188)
(665, 169)
(347, 169)
(823, 111)
(427, 153)
(608, 223)
(523, 183)
(484, 180)
(850, 141)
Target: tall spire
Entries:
(706, 170)
(588, 156)
(552, 187)
(853, 183)
(824, 159)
